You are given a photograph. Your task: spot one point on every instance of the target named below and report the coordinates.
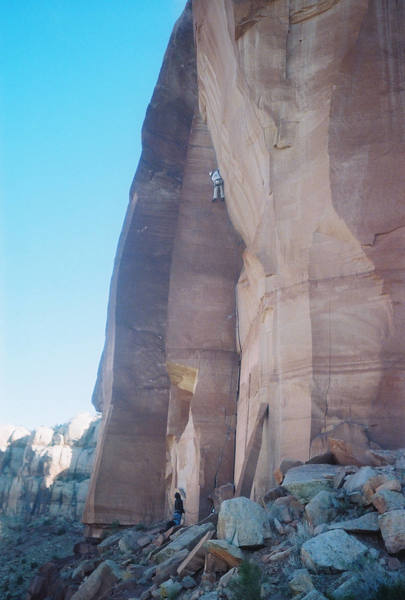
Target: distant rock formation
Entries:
(300, 278)
(47, 471)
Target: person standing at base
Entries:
(218, 185)
(178, 509)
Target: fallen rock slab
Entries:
(229, 553)
(194, 561)
(332, 551)
(307, 481)
(366, 523)
(185, 540)
(99, 582)
(167, 568)
(392, 526)
(242, 522)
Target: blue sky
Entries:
(75, 80)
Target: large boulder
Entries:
(322, 508)
(229, 553)
(332, 551)
(361, 486)
(392, 526)
(99, 582)
(306, 481)
(242, 522)
(285, 509)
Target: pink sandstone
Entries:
(301, 105)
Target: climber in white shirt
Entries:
(218, 185)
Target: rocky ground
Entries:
(25, 546)
(328, 532)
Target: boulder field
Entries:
(337, 543)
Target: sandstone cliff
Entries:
(47, 471)
(301, 104)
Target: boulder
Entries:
(306, 481)
(352, 587)
(274, 493)
(285, 465)
(322, 508)
(342, 474)
(221, 493)
(229, 553)
(170, 589)
(214, 564)
(332, 551)
(84, 568)
(300, 582)
(99, 582)
(350, 445)
(392, 484)
(129, 541)
(194, 561)
(385, 500)
(169, 567)
(109, 541)
(392, 526)
(363, 524)
(242, 522)
(188, 582)
(285, 509)
(185, 540)
(361, 486)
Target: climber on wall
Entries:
(218, 185)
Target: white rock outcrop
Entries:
(47, 470)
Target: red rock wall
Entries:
(201, 335)
(304, 103)
(302, 107)
(171, 320)
(133, 385)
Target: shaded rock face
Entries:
(301, 106)
(47, 471)
(168, 377)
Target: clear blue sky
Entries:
(75, 80)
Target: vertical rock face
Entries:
(169, 365)
(314, 179)
(301, 105)
(201, 350)
(47, 471)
